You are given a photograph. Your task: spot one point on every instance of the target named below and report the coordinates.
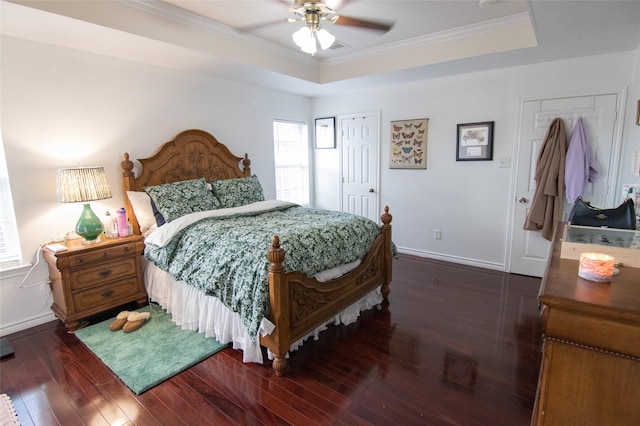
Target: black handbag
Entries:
(621, 217)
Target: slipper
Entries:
(120, 321)
(135, 320)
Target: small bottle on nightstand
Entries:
(107, 224)
(123, 226)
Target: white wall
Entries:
(62, 107)
(468, 201)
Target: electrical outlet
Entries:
(437, 234)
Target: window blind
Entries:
(9, 243)
(291, 152)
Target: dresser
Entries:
(590, 370)
(90, 279)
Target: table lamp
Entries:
(82, 184)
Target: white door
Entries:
(360, 146)
(528, 249)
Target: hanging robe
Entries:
(581, 164)
(548, 200)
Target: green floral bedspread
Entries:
(227, 256)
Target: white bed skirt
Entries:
(191, 309)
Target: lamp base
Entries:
(89, 226)
(85, 242)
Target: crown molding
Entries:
(434, 38)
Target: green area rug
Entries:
(150, 355)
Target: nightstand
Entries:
(90, 279)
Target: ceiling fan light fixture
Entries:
(301, 36)
(312, 13)
(325, 38)
(310, 47)
(306, 40)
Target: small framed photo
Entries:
(325, 133)
(475, 141)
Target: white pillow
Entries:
(141, 204)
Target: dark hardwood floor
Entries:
(458, 346)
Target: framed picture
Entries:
(475, 141)
(325, 132)
(409, 144)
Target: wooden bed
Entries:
(298, 304)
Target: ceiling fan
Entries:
(312, 13)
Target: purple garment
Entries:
(581, 164)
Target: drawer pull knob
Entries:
(108, 293)
(105, 254)
(105, 273)
(80, 260)
(126, 249)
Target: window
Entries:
(291, 151)
(9, 243)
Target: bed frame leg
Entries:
(279, 365)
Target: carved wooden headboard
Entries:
(192, 154)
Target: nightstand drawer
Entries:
(87, 257)
(102, 274)
(105, 295)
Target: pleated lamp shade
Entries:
(82, 184)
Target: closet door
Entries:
(360, 144)
(599, 112)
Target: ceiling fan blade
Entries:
(361, 23)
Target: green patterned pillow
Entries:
(238, 192)
(174, 200)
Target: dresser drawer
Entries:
(110, 294)
(607, 334)
(88, 257)
(103, 273)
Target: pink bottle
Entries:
(123, 226)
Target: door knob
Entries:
(523, 200)
(371, 190)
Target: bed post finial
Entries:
(246, 163)
(276, 255)
(386, 217)
(127, 166)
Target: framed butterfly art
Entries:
(409, 144)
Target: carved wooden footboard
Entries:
(298, 304)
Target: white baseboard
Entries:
(6, 329)
(454, 259)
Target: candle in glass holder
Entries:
(596, 267)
